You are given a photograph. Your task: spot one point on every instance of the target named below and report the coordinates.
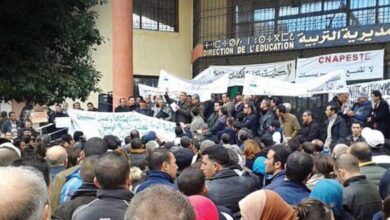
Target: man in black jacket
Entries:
(310, 130)
(226, 184)
(183, 113)
(122, 107)
(83, 195)
(113, 197)
(335, 127)
(361, 198)
(250, 120)
(380, 115)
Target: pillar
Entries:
(122, 49)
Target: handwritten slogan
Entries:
(332, 82)
(284, 71)
(366, 88)
(99, 124)
(298, 41)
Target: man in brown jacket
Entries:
(288, 121)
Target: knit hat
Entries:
(150, 136)
(374, 138)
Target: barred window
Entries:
(157, 15)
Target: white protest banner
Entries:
(331, 82)
(204, 90)
(145, 90)
(281, 70)
(99, 124)
(357, 65)
(366, 88)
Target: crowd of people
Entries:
(245, 158)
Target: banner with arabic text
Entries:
(331, 82)
(361, 65)
(145, 90)
(281, 70)
(99, 124)
(204, 90)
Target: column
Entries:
(122, 49)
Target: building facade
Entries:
(244, 32)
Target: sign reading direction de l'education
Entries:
(298, 41)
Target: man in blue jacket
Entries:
(163, 170)
(362, 109)
(298, 168)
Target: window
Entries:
(158, 15)
(334, 4)
(384, 15)
(363, 17)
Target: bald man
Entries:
(8, 154)
(57, 158)
(23, 194)
(361, 198)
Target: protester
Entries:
(229, 105)
(289, 122)
(183, 112)
(361, 198)
(67, 181)
(83, 195)
(276, 132)
(380, 114)
(356, 135)
(11, 125)
(275, 166)
(132, 104)
(335, 127)
(225, 186)
(362, 109)
(113, 197)
(8, 154)
(160, 202)
(251, 149)
(373, 172)
(323, 169)
(330, 192)
(250, 119)
(122, 106)
(197, 120)
(162, 111)
(191, 181)
(298, 168)
(267, 115)
(57, 158)
(163, 169)
(204, 208)
(265, 205)
(313, 209)
(23, 194)
(138, 154)
(91, 108)
(310, 129)
(144, 109)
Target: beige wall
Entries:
(156, 50)
(153, 50)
